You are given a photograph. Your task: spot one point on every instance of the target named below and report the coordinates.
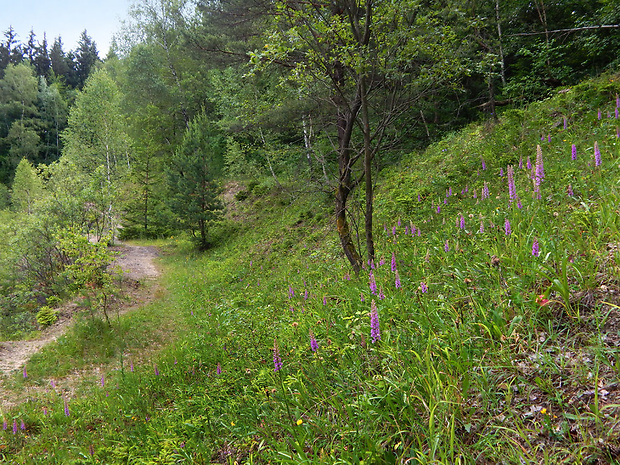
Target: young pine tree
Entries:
(192, 178)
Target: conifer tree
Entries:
(86, 57)
(192, 178)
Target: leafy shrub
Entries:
(47, 316)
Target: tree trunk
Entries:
(346, 120)
(344, 232)
(370, 245)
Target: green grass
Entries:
(507, 357)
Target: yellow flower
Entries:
(232, 423)
(543, 411)
(299, 422)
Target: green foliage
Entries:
(96, 142)
(192, 178)
(472, 362)
(86, 266)
(47, 316)
(488, 351)
(27, 187)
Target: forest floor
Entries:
(137, 264)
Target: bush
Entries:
(47, 316)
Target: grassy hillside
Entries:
(487, 331)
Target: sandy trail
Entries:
(137, 263)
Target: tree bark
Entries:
(370, 244)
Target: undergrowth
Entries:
(486, 330)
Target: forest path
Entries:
(137, 263)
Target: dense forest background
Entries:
(195, 95)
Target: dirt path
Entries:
(137, 265)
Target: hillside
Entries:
(486, 332)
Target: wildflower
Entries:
(25, 372)
(381, 294)
(501, 172)
(512, 190)
(423, 287)
(393, 264)
(397, 280)
(573, 152)
(535, 248)
(528, 164)
(102, 381)
(22, 425)
(565, 122)
(131, 366)
(277, 361)
(599, 114)
(446, 247)
(540, 300)
(474, 193)
(521, 162)
(66, 407)
(419, 232)
(53, 384)
(14, 426)
(616, 112)
(597, 155)
(156, 371)
(543, 411)
(44, 411)
(481, 227)
(569, 190)
(375, 333)
(291, 292)
(393, 230)
(381, 261)
(299, 422)
(507, 228)
(549, 138)
(418, 197)
(324, 300)
(306, 294)
(313, 344)
(445, 201)
(372, 283)
(484, 165)
(536, 191)
(519, 204)
(438, 209)
(540, 169)
(462, 222)
(449, 193)
(362, 297)
(218, 369)
(4, 424)
(485, 191)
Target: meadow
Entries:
(486, 330)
